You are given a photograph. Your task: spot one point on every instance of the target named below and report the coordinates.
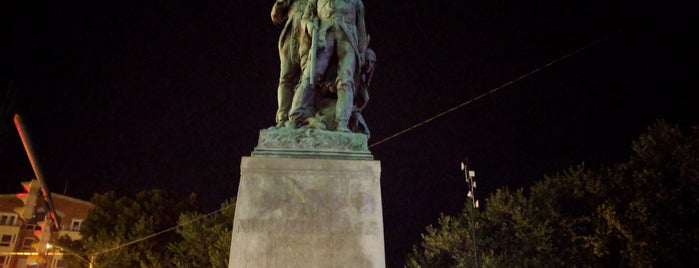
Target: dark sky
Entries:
(131, 95)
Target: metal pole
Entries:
(472, 195)
(28, 148)
(26, 141)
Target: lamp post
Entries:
(471, 182)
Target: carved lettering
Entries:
(278, 259)
(306, 227)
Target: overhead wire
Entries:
(413, 127)
(160, 232)
(512, 81)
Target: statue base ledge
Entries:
(311, 143)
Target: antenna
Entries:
(471, 182)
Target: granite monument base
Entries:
(308, 212)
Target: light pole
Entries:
(471, 182)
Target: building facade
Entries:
(17, 237)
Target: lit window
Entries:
(7, 219)
(27, 244)
(75, 225)
(4, 261)
(6, 240)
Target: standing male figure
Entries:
(341, 35)
(361, 97)
(293, 48)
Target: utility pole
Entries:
(471, 182)
(26, 141)
(50, 223)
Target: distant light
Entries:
(476, 204)
(470, 195)
(462, 166)
(471, 173)
(474, 184)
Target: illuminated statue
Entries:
(339, 43)
(361, 97)
(293, 48)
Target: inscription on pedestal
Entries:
(308, 213)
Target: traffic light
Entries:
(41, 246)
(29, 198)
(44, 236)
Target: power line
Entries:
(163, 231)
(517, 79)
(525, 75)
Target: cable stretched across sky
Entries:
(163, 231)
(424, 122)
(523, 76)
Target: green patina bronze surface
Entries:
(312, 143)
(326, 65)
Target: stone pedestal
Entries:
(301, 210)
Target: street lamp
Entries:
(471, 182)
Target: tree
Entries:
(508, 234)
(74, 252)
(639, 213)
(569, 202)
(445, 246)
(115, 231)
(513, 235)
(206, 239)
(654, 209)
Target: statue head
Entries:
(369, 60)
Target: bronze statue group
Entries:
(325, 64)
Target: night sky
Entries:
(131, 95)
